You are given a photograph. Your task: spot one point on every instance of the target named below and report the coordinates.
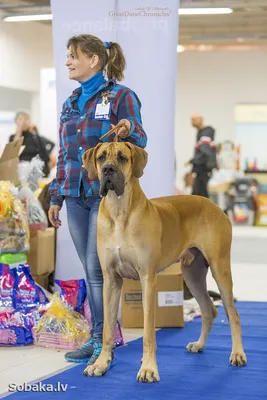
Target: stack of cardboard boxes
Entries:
(41, 256)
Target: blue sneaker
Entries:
(82, 354)
(96, 354)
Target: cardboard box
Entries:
(9, 161)
(42, 280)
(41, 256)
(169, 300)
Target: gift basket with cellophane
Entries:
(61, 327)
(30, 174)
(14, 230)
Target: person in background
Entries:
(33, 142)
(204, 160)
(91, 111)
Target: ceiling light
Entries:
(204, 11)
(25, 18)
(180, 48)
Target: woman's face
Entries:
(23, 122)
(82, 67)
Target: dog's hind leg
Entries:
(194, 274)
(221, 272)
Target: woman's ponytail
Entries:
(116, 61)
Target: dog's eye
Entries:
(101, 158)
(122, 158)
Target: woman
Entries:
(33, 142)
(86, 115)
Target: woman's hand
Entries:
(19, 131)
(22, 125)
(53, 215)
(124, 130)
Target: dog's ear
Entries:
(139, 160)
(89, 162)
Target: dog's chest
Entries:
(119, 248)
(121, 257)
(125, 261)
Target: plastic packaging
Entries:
(73, 292)
(61, 327)
(27, 294)
(17, 258)
(30, 173)
(14, 230)
(36, 216)
(7, 284)
(118, 338)
(20, 304)
(13, 330)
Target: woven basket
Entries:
(57, 340)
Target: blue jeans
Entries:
(82, 220)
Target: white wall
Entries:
(25, 48)
(10, 101)
(13, 99)
(49, 120)
(212, 84)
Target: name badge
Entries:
(102, 111)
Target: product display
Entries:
(14, 230)
(118, 338)
(73, 292)
(7, 287)
(27, 293)
(61, 327)
(13, 330)
(242, 201)
(30, 174)
(261, 202)
(20, 299)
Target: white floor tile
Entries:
(27, 364)
(249, 282)
(249, 231)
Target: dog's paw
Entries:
(148, 374)
(195, 347)
(96, 369)
(238, 359)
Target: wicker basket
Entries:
(57, 340)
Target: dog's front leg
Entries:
(111, 293)
(149, 369)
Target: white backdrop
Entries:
(48, 104)
(148, 35)
(7, 127)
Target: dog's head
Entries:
(114, 164)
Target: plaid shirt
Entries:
(80, 132)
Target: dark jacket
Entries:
(35, 145)
(205, 151)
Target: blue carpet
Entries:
(184, 376)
